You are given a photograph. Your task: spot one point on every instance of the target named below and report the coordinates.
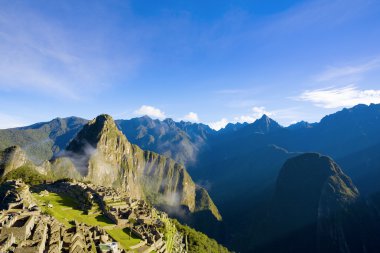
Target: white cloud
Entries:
(340, 97)
(257, 112)
(191, 116)
(8, 121)
(217, 125)
(332, 73)
(150, 111)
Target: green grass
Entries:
(65, 209)
(122, 236)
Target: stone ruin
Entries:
(24, 229)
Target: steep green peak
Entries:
(102, 121)
(103, 117)
(103, 126)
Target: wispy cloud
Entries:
(340, 97)
(150, 111)
(332, 73)
(40, 55)
(318, 13)
(191, 116)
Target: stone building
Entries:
(20, 226)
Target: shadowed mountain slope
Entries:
(313, 209)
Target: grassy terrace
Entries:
(65, 210)
(122, 236)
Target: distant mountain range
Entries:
(182, 141)
(241, 165)
(100, 153)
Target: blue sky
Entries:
(205, 61)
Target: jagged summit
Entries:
(93, 131)
(264, 125)
(102, 121)
(180, 141)
(232, 127)
(301, 125)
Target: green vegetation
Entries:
(169, 232)
(28, 174)
(124, 237)
(203, 202)
(198, 242)
(65, 210)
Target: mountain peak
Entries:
(103, 120)
(103, 117)
(310, 189)
(265, 125)
(92, 132)
(314, 182)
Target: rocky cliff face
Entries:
(14, 157)
(311, 190)
(11, 158)
(101, 154)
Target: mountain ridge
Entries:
(112, 160)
